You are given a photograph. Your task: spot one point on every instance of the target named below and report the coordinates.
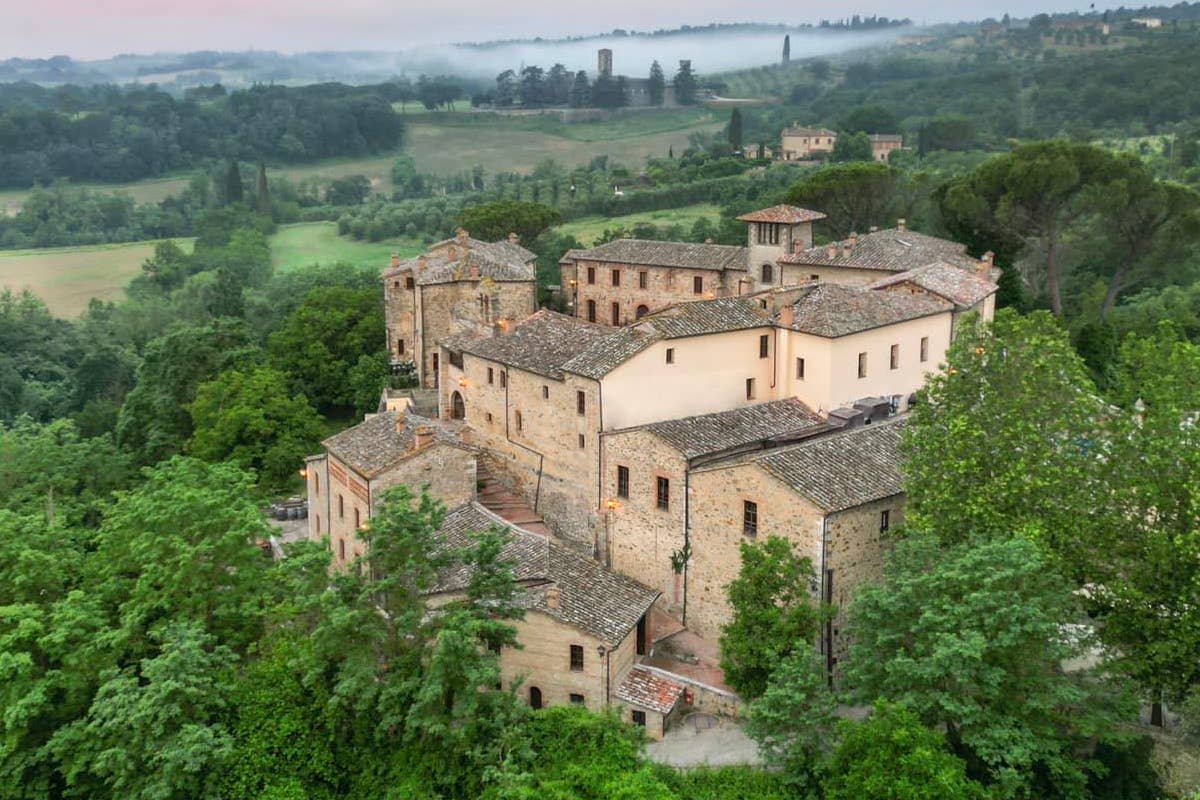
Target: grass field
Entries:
(587, 229)
(307, 243)
(68, 277)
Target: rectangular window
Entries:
(814, 277)
(576, 658)
(582, 442)
(456, 358)
(591, 307)
(799, 369)
(317, 482)
(503, 379)
(616, 277)
(318, 523)
(924, 349)
(749, 518)
(408, 282)
(639, 717)
(643, 279)
(862, 365)
(580, 402)
(517, 419)
(895, 357)
(749, 388)
(341, 507)
(768, 233)
(489, 417)
(545, 392)
(885, 520)
(698, 285)
(616, 313)
(400, 347)
(662, 493)
(623, 482)
(591, 274)
(491, 376)
(576, 699)
(357, 521)
(670, 355)
(764, 345)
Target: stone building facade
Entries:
(884, 144)
(460, 284)
(799, 143)
(347, 480)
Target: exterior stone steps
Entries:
(497, 498)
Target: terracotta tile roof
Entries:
(783, 214)
(647, 689)
(645, 252)
(962, 287)
(673, 322)
(713, 433)
(832, 310)
(891, 250)
(885, 137)
(838, 471)
(798, 130)
(374, 445)
(541, 343)
(590, 597)
(499, 261)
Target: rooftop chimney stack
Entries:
(421, 263)
(513, 238)
(553, 597)
(787, 315)
(902, 224)
(986, 261)
(452, 252)
(847, 247)
(422, 435)
(395, 259)
(462, 235)
(400, 420)
(831, 250)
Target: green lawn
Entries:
(307, 243)
(66, 278)
(587, 229)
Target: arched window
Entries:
(642, 311)
(768, 273)
(535, 697)
(458, 407)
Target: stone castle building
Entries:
(458, 284)
(698, 396)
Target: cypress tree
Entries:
(671, 151)
(787, 49)
(233, 184)
(263, 202)
(735, 129)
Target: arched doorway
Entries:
(641, 312)
(458, 408)
(535, 697)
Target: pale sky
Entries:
(101, 28)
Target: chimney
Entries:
(395, 259)
(787, 315)
(462, 235)
(422, 435)
(986, 262)
(474, 271)
(874, 228)
(452, 252)
(513, 238)
(847, 247)
(400, 420)
(831, 250)
(902, 224)
(553, 597)
(853, 238)
(421, 264)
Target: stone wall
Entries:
(664, 286)
(447, 471)
(717, 533)
(638, 536)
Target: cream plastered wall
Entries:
(881, 380)
(708, 374)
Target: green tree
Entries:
(495, 220)
(262, 201)
(787, 50)
(978, 461)
(892, 756)
(970, 637)
(249, 418)
(856, 196)
(686, 85)
(656, 84)
(869, 119)
(852, 147)
(321, 341)
(735, 129)
(234, 191)
(1149, 552)
(581, 91)
(793, 720)
(772, 614)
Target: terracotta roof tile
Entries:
(832, 310)
(375, 444)
(713, 433)
(667, 254)
(783, 214)
(962, 287)
(647, 689)
(499, 261)
(891, 250)
(541, 343)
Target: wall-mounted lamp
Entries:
(303, 472)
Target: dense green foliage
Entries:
(494, 221)
(104, 133)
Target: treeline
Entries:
(112, 134)
(535, 87)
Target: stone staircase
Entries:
(496, 497)
(425, 402)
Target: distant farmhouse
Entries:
(696, 396)
(801, 143)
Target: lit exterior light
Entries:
(303, 472)
(979, 351)
(612, 505)
(462, 380)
